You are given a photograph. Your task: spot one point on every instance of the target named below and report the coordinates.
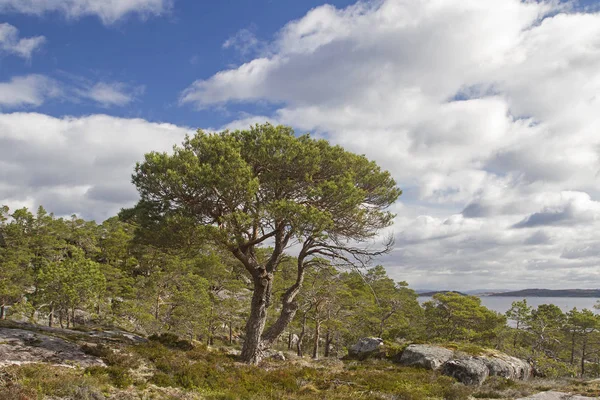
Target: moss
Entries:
(468, 348)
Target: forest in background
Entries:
(204, 255)
(71, 272)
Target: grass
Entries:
(166, 368)
(214, 375)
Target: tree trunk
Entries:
(289, 307)
(328, 340)
(230, 333)
(315, 354)
(290, 336)
(51, 317)
(253, 347)
(73, 317)
(301, 337)
(572, 348)
(288, 311)
(2, 312)
(583, 355)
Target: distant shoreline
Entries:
(586, 293)
(575, 293)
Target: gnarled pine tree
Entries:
(266, 186)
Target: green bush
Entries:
(549, 368)
(112, 357)
(46, 380)
(172, 341)
(394, 350)
(120, 376)
(488, 394)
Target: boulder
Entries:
(425, 356)
(508, 367)
(470, 371)
(277, 355)
(555, 396)
(366, 347)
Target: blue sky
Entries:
(162, 54)
(485, 112)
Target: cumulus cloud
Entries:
(484, 111)
(76, 165)
(28, 91)
(11, 43)
(111, 94)
(109, 11)
(566, 208)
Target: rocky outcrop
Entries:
(467, 369)
(19, 346)
(470, 371)
(425, 356)
(508, 367)
(556, 396)
(366, 347)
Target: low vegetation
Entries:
(161, 371)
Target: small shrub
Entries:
(120, 376)
(163, 380)
(172, 341)
(100, 350)
(394, 350)
(468, 348)
(499, 383)
(489, 394)
(47, 380)
(549, 368)
(17, 392)
(112, 357)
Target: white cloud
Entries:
(10, 42)
(109, 11)
(76, 165)
(486, 113)
(28, 91)
(111, 94)
(244, 42)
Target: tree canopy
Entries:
(265, 185)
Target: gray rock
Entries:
(555, 396)
(366, 347)
(277, 355)
(470, 371)
(425, 356)
(294, 339)
(19, 347)
(508, 367)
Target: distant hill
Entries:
(550, 293)
(429, 294)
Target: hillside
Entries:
(39, 363)
(550, 293)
